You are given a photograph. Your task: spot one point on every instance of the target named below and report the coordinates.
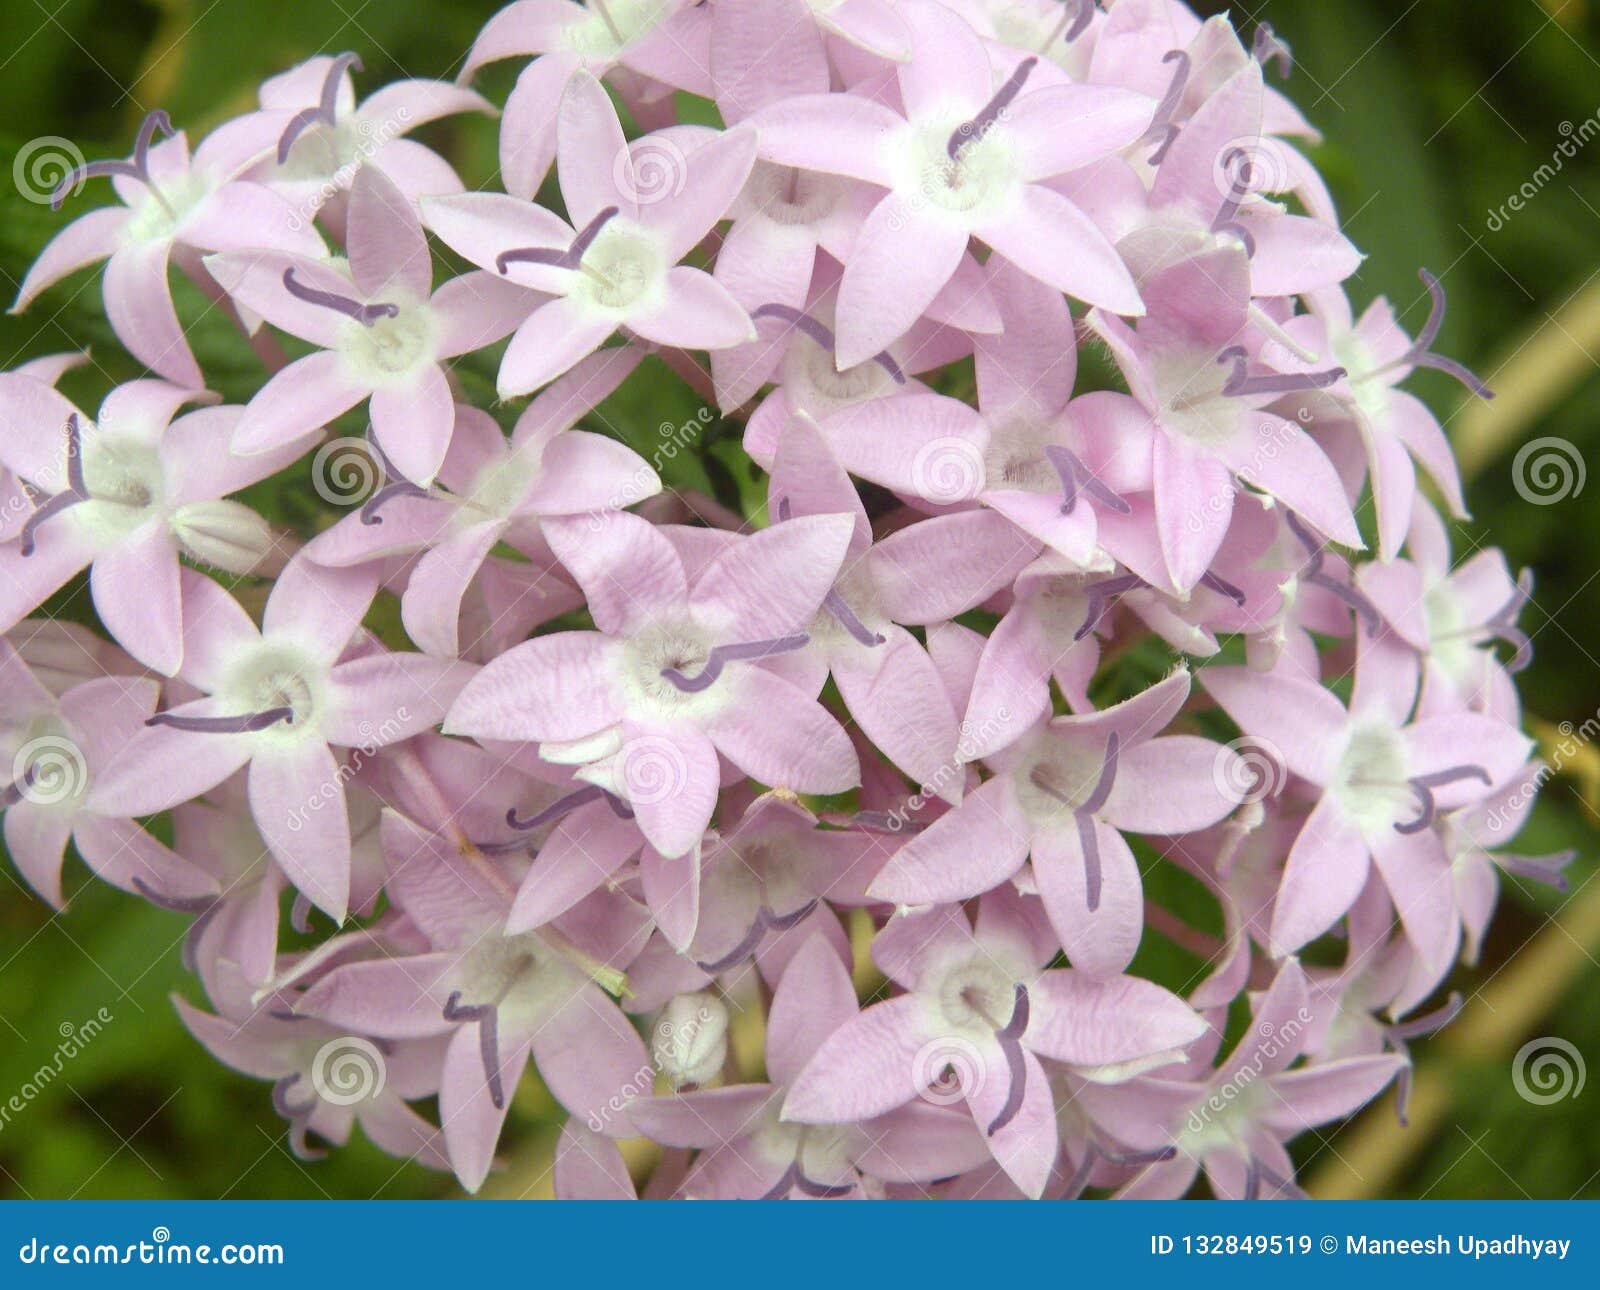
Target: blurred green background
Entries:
(1435, 113)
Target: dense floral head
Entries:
(853, 710)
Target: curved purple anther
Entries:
(300, 914)
(136, 167)
(204, 909)
(783, 922)
(1102, 595)
(1431, 1022)
(1108, 777)
(76, 490)
(821, 335)
(1134, 1159)
(1239, 186)
(1240, 384)
(1421, 352)
(1081, 19)
(785, 509)
(398, 486)
(1079, 1182)
(1222, 587)
(247, 723)
(1161, 124)
(327, 109)
(569, 259)
(722, 655)
(980, 125)
(1545, 869)
(1076, 477)
(834, 603)
(487, 1017)
(1009, 1037)
(366, 315)
(1266, 48)
(1244, 235)
(1089, 841)
(1312, 573)
(562, 806)
(820, 1191)
(1423, 786)
(280, 1098)
(785, 1184)
(741, 951)
(1504, 627)
(885, 822)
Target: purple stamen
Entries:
(833, 602)
(824, 338)
(820, 1191)
(1266, 48)
(1545, 869)
(398, 486)
(204, 908)
(280, 1098)
(570, 259)
(1080, 20)
(248, 723)
(885, 822)
(366, 315)
(488, 1017)
(1222, 587)
(138, 167)
(1242, 385)
(1108, 776)
(300, 914)
(765, 921)
(1102, 595)
(1313, 574)
(1009, 1038)
(76, 490)
(565, 806)
(1080, 1176)
(722, 655)
(1421, 353)
(1137, 1159)
(1423, 786)
(1076, 477)
(1161, 124)
(785, 1184)
(1430, 1023)
(1239, 187)
(327, 107)
(1503, 625)
(980, 125)
(1280, 1186)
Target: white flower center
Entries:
(624, 269)
(789, 196)
(390, 351)
(975, 184)
(1370, 781)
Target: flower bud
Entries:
(691, 1038)
(226, 535)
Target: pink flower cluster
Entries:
(647, 790)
